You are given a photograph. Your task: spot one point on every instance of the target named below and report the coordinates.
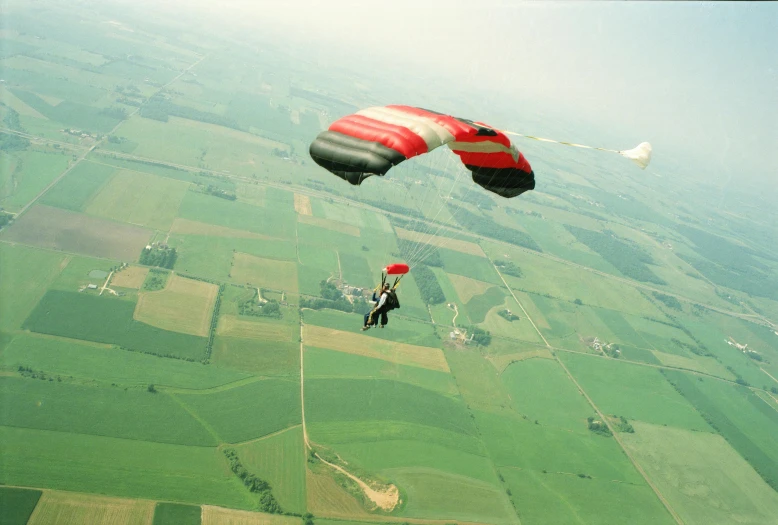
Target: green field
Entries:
(176, 514)
(102, 411)
(87, 463)
(541, 390)
(16, 505)
(31, 171)
(139, 198)
(321, 363)
(433, 494)
(566, 498)
(633, 391)
(248, 411)
(279, 459)
(744, 419)
(517, 443)
(88, 362)
(702, 477)
(108, 320)
(382, 400)
(79, 186)
(259, 357)
(27, 272)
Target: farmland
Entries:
(618, 390)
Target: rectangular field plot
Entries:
(517, 443)
(222, 516)
(248, 411)
(72, 232)
(130, 277)
(446, 496)
(566, 498)
(103, 411)
(139, 198)
(187, 227)
(256, 328)
(27, 173)
(329, 400)
(279, 459)
(257, 356)
(330, 363)
(327, 498)
(176, 514)
(747, 422)
(208, 256)
(472, 266)
(633, 391)
(329, 224)
(702, 477)
(381, 456)
(302, 204)
(107, 320)
(184, 306)
(264, 273)
(237, 215)
(88, 361)
(86, 463)
(65, 507)
(400, 353)
(16, 505)
(26, 273)
(456, 245)
(541, 390)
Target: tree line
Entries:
(431, 292)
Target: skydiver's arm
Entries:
(382, 301)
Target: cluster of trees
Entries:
(255, 484)
(628, 259)
(668, 300)
(9, 141)
(699, 349)
(598, 427)
(26, 371)
(214, 321)
(5, 219)
(431, 254)
(251, 306)
(508, 315)
(488, 228)
(612, 350)
(160, 108)
(159, 256)
(155, 280)
(622, 425)
(334, 299)
(218, 192)
(509, 268)
(431, 292)
(480, 336)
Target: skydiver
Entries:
(383, 305)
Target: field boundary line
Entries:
(266, 436)
(634, 462)
(197, 418)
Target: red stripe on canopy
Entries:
(399, 138)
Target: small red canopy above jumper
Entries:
(397, 269)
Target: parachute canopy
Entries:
(397, 269)
(373, 140)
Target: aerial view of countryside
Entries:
(401, 263)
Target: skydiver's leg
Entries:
(369, 321)
(384, 319)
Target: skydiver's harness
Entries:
(392, 302)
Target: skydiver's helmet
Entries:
(386, 286)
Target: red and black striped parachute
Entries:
(373, 140)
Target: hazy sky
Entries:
(698, 78)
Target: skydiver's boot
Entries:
(365, 328)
